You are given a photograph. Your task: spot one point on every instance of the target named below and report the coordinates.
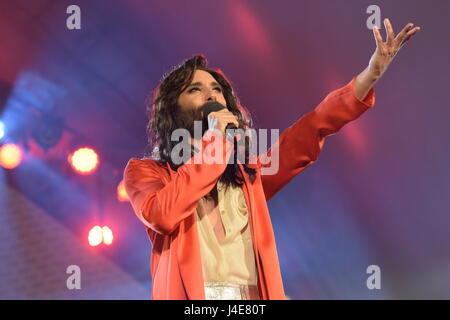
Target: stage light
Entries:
(95, 236)
(122, 193)
(84, 160)
(10, 156)
(107, 235)
(2, 129)
(98, 235)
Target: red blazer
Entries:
(166, 200)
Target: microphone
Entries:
(213, 107)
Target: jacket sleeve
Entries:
(162, 206)
(299, 146)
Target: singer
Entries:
(209, 224)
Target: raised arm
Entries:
(299, 146)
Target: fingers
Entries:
(402, 34)
(408, 36)
(223, 118)
(232, 119)
(377, 35)
(389, 30)
(224, 111)
(412, 32)
(407, 32)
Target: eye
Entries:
(192, 89)
(219, 89)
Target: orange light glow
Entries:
(95, 236)
(107, 235)
(84, 160)
(10, 156)
(98, 234)
(122, 193)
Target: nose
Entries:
(211, 96)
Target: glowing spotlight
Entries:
(2, 129)
(107, 235)
(84, 160)
(10, 156)
(95, 236)
(122, 193)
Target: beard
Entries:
(186, 118)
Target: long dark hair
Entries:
(163, 113)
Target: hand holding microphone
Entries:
(217, 116)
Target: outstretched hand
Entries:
(386, 51)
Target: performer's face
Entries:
(203, 88)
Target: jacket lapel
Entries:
(249, 198)
(188, 254)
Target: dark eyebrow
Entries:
(199, 84)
